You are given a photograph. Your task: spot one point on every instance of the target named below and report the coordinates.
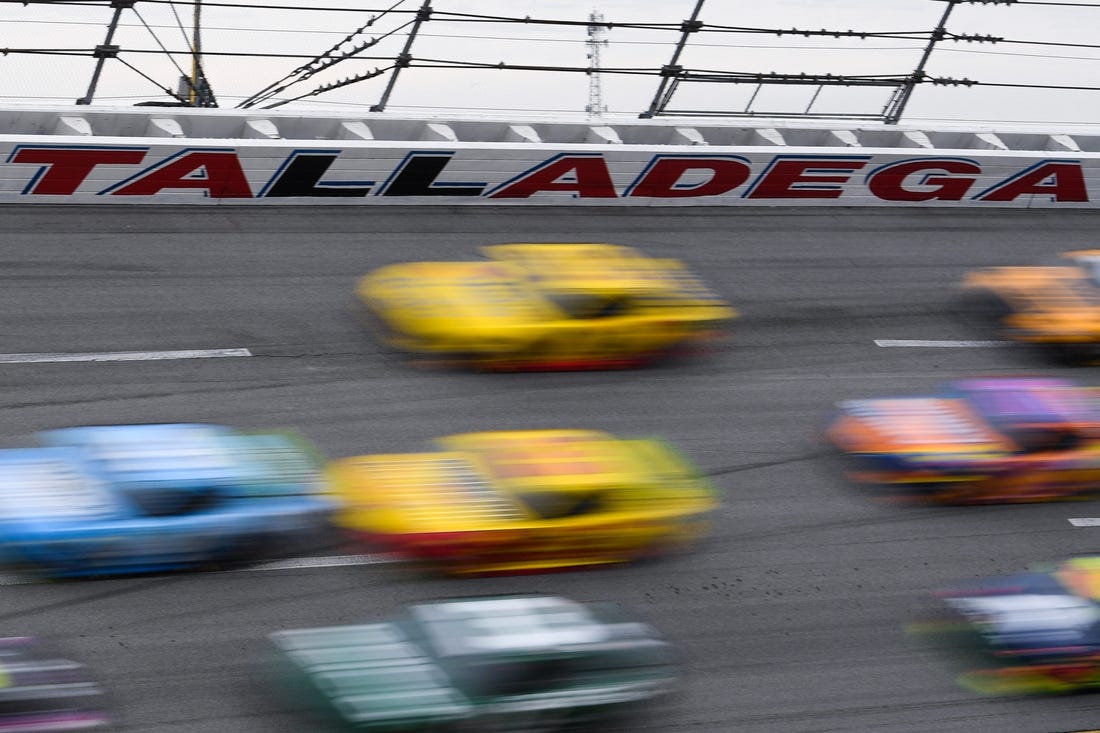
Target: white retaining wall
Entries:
(170, 155)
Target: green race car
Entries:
(512, 663)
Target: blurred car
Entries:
(979, 441)
(1058, 307)
(546, 306)
(1032, 632)
(512, 663)
(515, 501)
(141, 498)
(42, 692)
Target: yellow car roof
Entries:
(456, 292)
(598, 268)
(550, 460)
(424, 487)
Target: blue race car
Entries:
(1034, 632)
(144, 498)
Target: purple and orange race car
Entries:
(993, 440)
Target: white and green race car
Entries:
(512, 663)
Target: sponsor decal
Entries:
(1061, 180)
(418, 174)
(328, 173)
(679, 176)
(301, 174)
(924, 179)
(216, 172)
(805, 177)
(583, 175)
(61, 170)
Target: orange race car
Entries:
(521, 501)
(980, 441)
(1058, 307)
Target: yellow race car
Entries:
(1055, 306)
(516, 501)
(545, 306)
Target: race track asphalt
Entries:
(790, 618)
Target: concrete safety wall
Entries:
(84, 155)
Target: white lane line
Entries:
(919, 344)
(123, 356)
(297, 563)
(331, 561)
(1085, 522)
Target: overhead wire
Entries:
(322, 61)
(1052, 3)
(47, 51)
(179, 24)
(205, 4)
(170, 55)
(242, 54)
(1064, 87)
(334, 85)
(502, 66)
(317, 63)
(312, 68)
(139, 72)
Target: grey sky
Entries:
(56, 79)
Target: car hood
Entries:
(372, 675)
